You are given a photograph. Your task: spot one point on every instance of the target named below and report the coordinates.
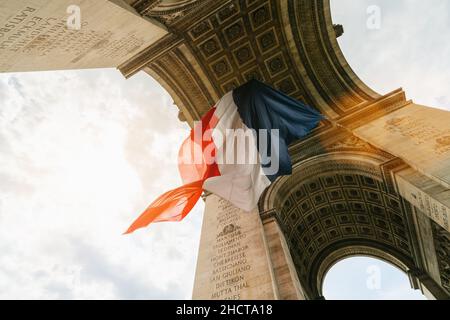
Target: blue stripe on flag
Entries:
(262, 107)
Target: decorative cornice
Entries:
(150, 54)
(170, 13)
(375, 109)
(268, 215)
(141, 6)
(388, 170)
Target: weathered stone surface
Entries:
(285, 275)
(417, 134)
(426, 195)
(34, 35)
(233, 259)
(354, 185)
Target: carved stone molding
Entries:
(388, 170)
(165, 11)
(350, 142)
(375, 109)
(442, 245)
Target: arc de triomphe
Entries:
(374, 181)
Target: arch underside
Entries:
(339, 204)
(215, 46)
(341, 198)
(340, 201)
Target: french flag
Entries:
(236, 151)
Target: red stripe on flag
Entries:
(194, 165)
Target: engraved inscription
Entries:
(421, 132)
(233, 262)
(41, 36)
(426, 203)
(230, 263)
(35, 36)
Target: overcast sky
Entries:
(83, 152)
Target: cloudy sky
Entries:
(83, 152)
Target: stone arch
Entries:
(336, 205)
(215, 46)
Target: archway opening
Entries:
(366, 278)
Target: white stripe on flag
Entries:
(240, 183)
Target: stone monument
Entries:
(373, 181)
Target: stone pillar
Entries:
(285, 273)
(243, 256)
(430, 202)
(420, 136)
(233, 261)
(426, 195)
(426, 248)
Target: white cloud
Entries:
(82, 154)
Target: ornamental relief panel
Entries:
(336, 208)
(442, 245)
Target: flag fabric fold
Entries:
(175, 204)
(237, 150)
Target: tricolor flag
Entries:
(236, 151)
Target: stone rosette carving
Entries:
(393, 124)
(350, 142)
(443, 144)
(166, 11)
